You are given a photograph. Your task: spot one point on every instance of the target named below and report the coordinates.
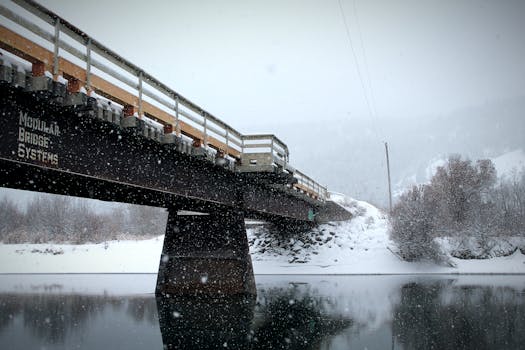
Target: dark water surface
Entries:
(290, 312)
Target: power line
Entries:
(349, 37)
(365, 58)
(370, 104)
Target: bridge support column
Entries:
(205, 255)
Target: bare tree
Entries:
(461, 201)
(11, 218)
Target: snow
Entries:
(5, 61)
(11, 60)
(62, 80)
(109, 257)
(509, 162)
(358, 246)
(153, 123)
(103, 102)
(362, 246)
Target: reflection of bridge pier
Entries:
(205, 323)
(206, 254)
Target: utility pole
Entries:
(389, 183)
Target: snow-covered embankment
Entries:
(357, 246)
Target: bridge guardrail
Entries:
(310, 186)
(267, 143)
(86, 64)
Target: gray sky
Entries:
(272, 65)
(251, 61)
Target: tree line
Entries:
(59, 219)
(464, 200)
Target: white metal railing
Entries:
(94, 57)
(311, 186)
(267, 143)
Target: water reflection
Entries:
(58, 321)
(438, 316)
(205, 323)
(295, 318)
(281, 318)
(303, 313)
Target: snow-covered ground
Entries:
(110, 257)
(358, 246)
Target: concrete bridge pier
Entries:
(205, 255)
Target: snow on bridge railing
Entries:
(310, 187)
(267, 143)
(86, 65)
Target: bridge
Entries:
(77, 119)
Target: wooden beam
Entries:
(307, 190)
(24, 48)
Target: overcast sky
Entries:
(264, 66)
(251, 61)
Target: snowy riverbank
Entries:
(358, 246)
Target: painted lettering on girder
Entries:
(34, 139)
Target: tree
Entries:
(411, 226)
(510, 204)
(459, 202)
(459, 189)
(11, 218)
(144, 220)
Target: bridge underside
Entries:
(65, 150)
(204, 254)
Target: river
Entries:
(289, 312)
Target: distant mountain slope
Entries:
(509, 162)
(348, 153)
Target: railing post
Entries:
(205, 130)
(56, 48)
(140, 94)
(88, 64)
(272, 148)
(227, 140)
(177, 123)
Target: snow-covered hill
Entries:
(509, 162)
(357, 246)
